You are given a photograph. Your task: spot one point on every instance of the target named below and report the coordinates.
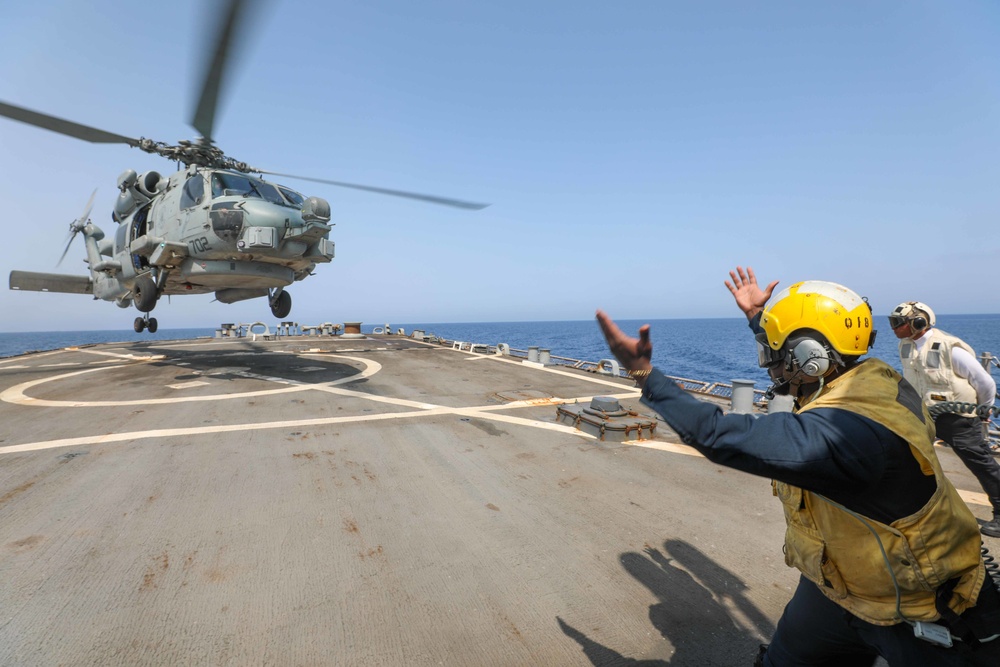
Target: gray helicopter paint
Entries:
(50, 282)
(219, 274)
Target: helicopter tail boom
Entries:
(50, 282)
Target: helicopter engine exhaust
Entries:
(148, 183)
(136, 190)
(233, 295)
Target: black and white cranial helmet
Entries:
(918, 315)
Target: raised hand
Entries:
(749, 296)
(635, 354)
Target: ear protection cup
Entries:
(811, 357)
(918, 315)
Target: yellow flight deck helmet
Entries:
(839, 315)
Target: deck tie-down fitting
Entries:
(605, 419)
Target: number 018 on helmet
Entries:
(838, 314)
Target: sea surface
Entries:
(711, 350)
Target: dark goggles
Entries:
(896, 321)
(767, 357)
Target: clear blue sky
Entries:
(633, 152)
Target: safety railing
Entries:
(721, 390)
(715, 389)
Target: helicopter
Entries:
(214, 225)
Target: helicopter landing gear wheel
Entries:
(281, 305)
(145, 323)
(144, 293)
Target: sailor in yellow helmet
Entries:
(889, 554)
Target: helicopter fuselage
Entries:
(210, 230)
(198, 231)
(211, 227)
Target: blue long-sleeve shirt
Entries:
(840, 454)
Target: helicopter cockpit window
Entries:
(224, 184)
(230, 185)
(193, 192)
(293, 197)
(268, 192)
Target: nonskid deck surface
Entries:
(320, 501)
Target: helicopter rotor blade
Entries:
(216, 66)
(62, 126)
(86, 211)
(78, 225)
(444, 201)
(66, 250)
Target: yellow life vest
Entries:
(838, 549)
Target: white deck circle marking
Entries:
(17, 395)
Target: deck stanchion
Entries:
(742, 400)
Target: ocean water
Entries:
(39, 341)
(711, 350)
